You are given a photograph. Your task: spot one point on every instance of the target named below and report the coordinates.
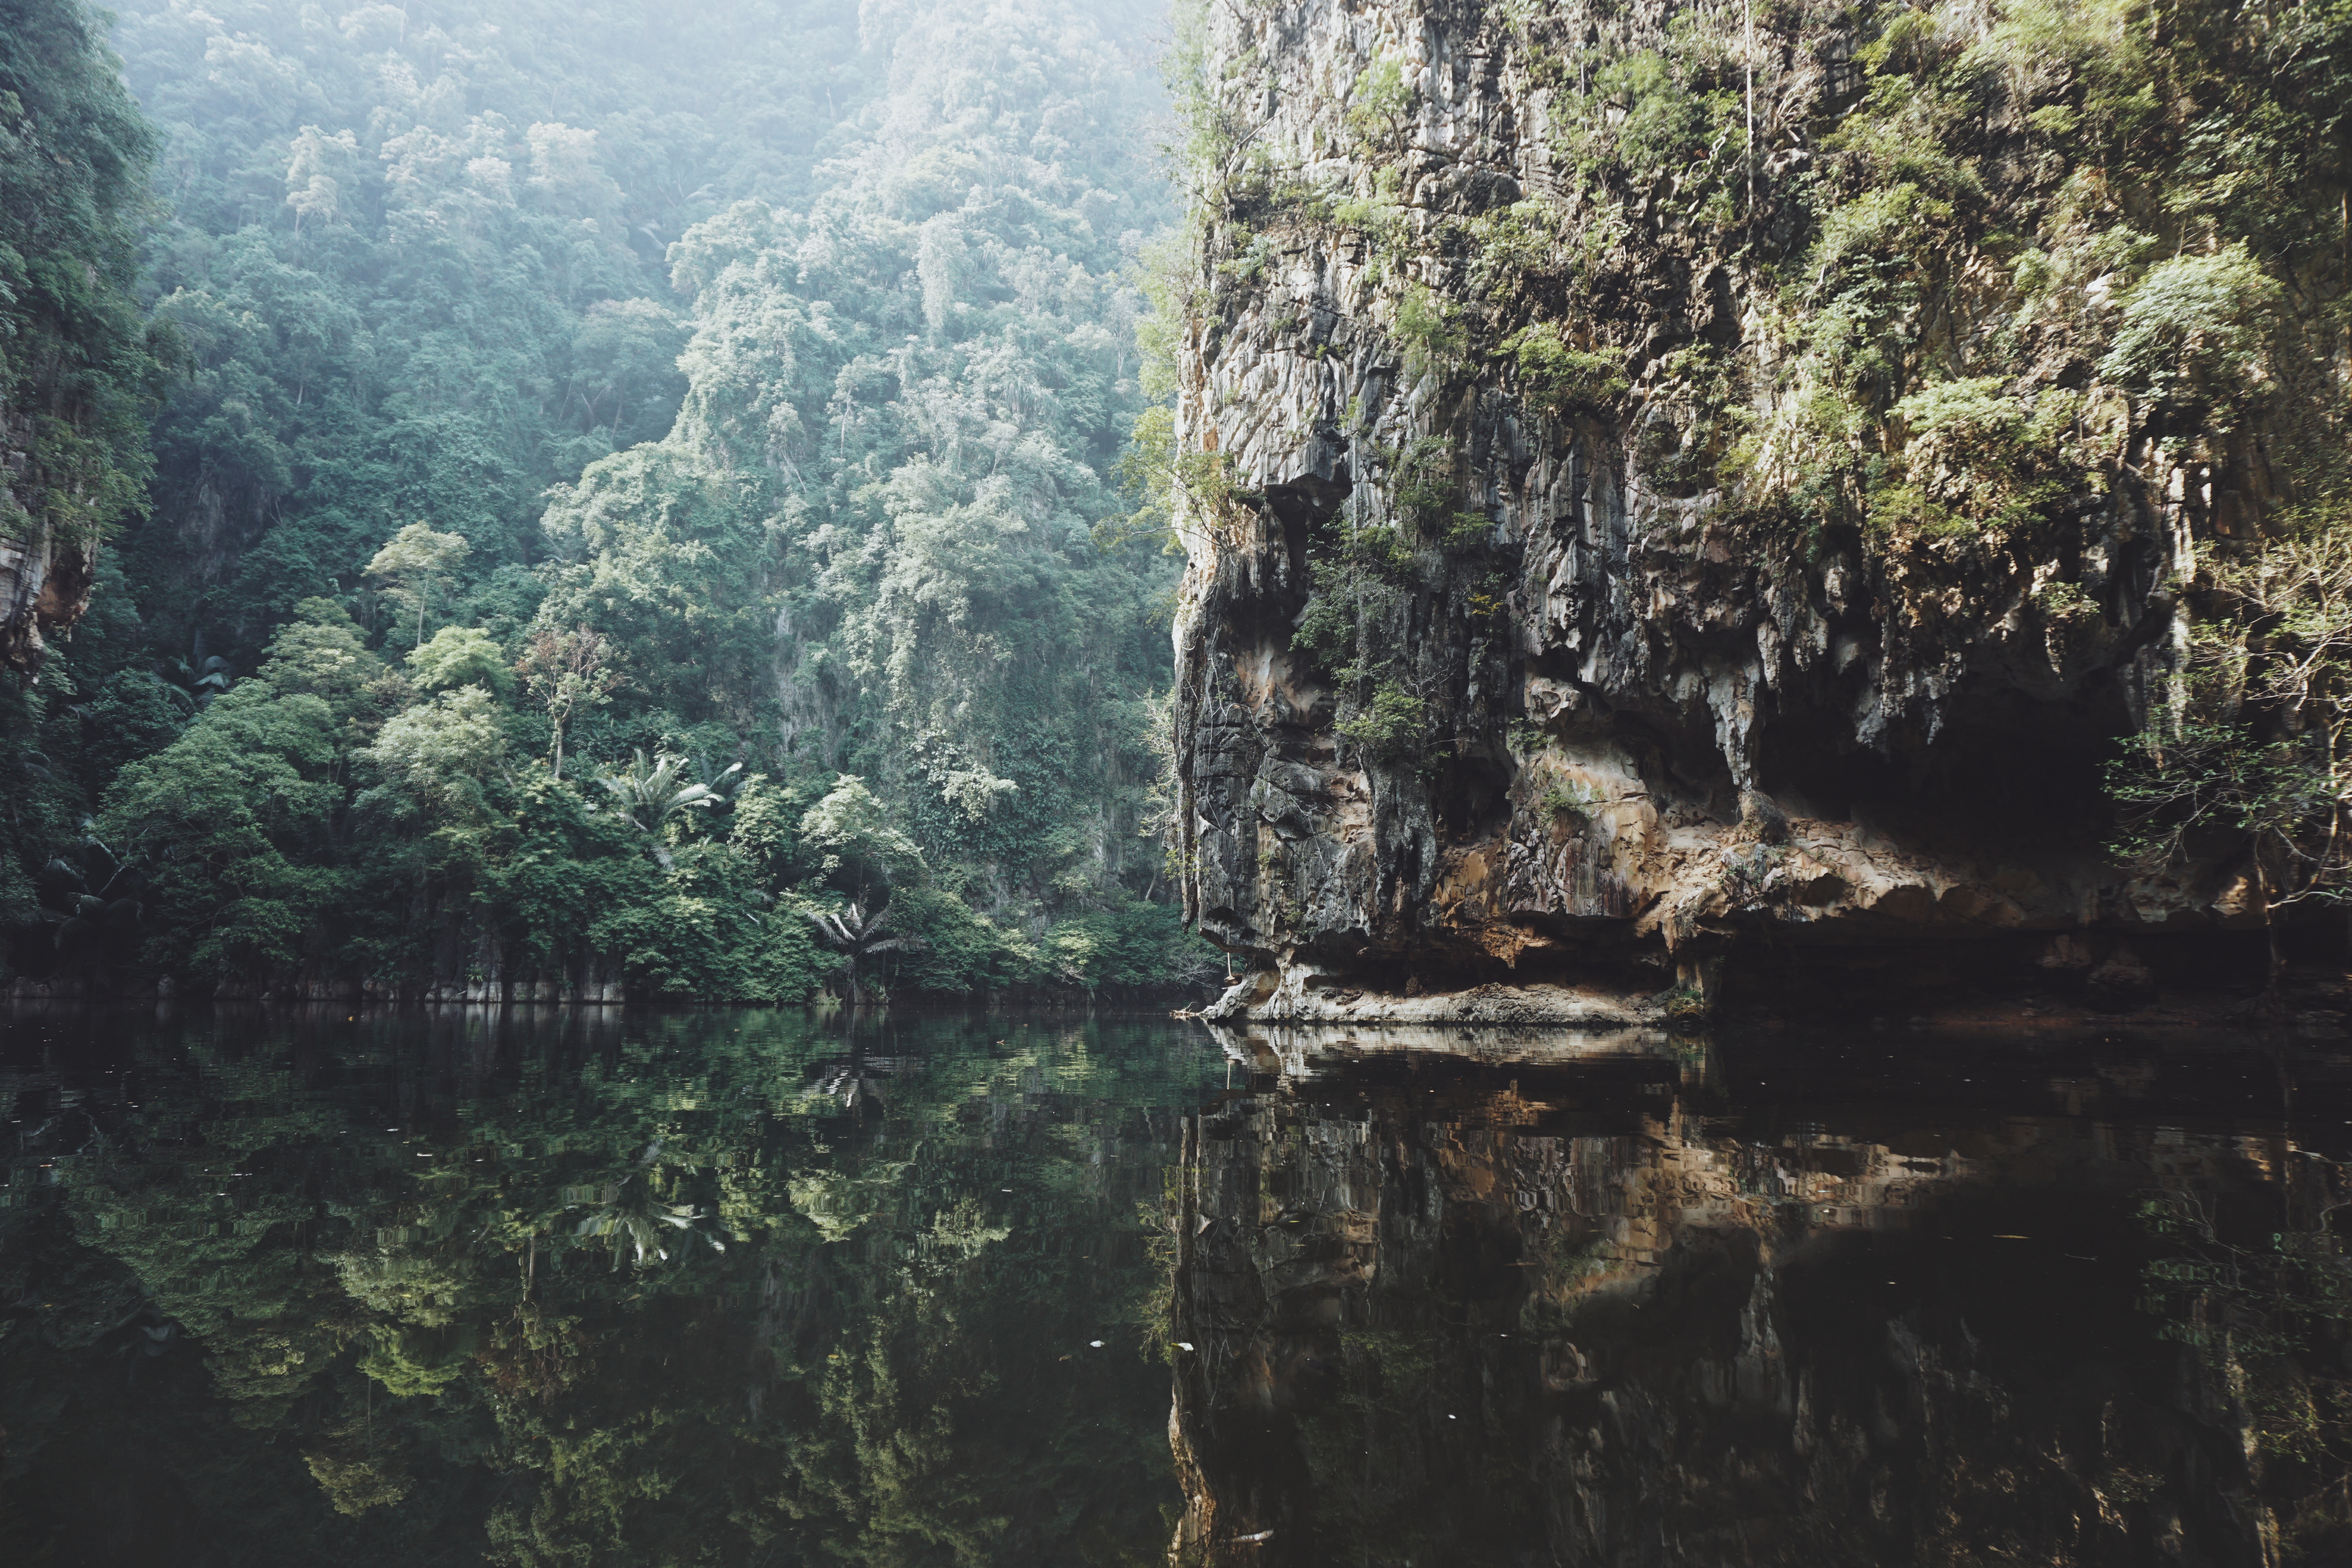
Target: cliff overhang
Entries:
(1525, 674)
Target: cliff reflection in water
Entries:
(652, 1290)
(1607, 1310)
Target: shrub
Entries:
(1391, 726)
(1428, 482)
(1560, 379)
(1381, 98)
(1432, 339)
(2193, 337)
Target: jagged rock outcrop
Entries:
(1596, 576)
(45, 587)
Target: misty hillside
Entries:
(629, 489)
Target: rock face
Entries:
(1597, 1316)
(1519, 674)
(43, 589)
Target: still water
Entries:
(543, 1287)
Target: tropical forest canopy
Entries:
(629, 504)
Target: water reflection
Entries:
(1621, 1308)
(541, 1286)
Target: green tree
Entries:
(858, 936)
(860, 841)
(415, 558)
(441, 753)
(565, 672)
(80, 372)
(649, 794)
(784, 415)
(461, 655)
(80, 367)
(2251, 773)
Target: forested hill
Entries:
(634, 511)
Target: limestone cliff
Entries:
(45, 585)
(79, 366)
(1666, 485)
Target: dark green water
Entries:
(606, 1287)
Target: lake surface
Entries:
(587, 1286)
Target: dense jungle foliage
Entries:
(79, 363)
(548, 1286)
(626, 520)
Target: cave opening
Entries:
(2005, 773)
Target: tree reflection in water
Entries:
(576, 1287)
(1615, 1311)
(542, 1286)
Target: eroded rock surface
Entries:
(45, 581)
(1646, 724)
(42, 592)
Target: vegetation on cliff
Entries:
(2009, 335)
(80, 365)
